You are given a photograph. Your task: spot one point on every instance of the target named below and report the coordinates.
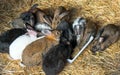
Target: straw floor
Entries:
(100, 11)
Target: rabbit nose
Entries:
(51, 36)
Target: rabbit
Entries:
(7, 37)
(106, 36)
(28, 16)
(55, 59)
(85, 32)
(32, 54)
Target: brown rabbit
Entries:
(32, 55)
(106, 36)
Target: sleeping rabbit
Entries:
(106, 36)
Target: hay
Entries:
(102, 12)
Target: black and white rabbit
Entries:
(7, 37)
(55, 59)
(85, 30)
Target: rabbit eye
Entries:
(58, 33)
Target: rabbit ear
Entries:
(59, 14)
(47, 19)
(62, 15)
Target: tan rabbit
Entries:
(32, 54)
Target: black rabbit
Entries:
(56, 58)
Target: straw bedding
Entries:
(100, 11)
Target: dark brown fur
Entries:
(90, 30)
(106, 36)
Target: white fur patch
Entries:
(76, 22)
(42, 26)
(17, 46)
